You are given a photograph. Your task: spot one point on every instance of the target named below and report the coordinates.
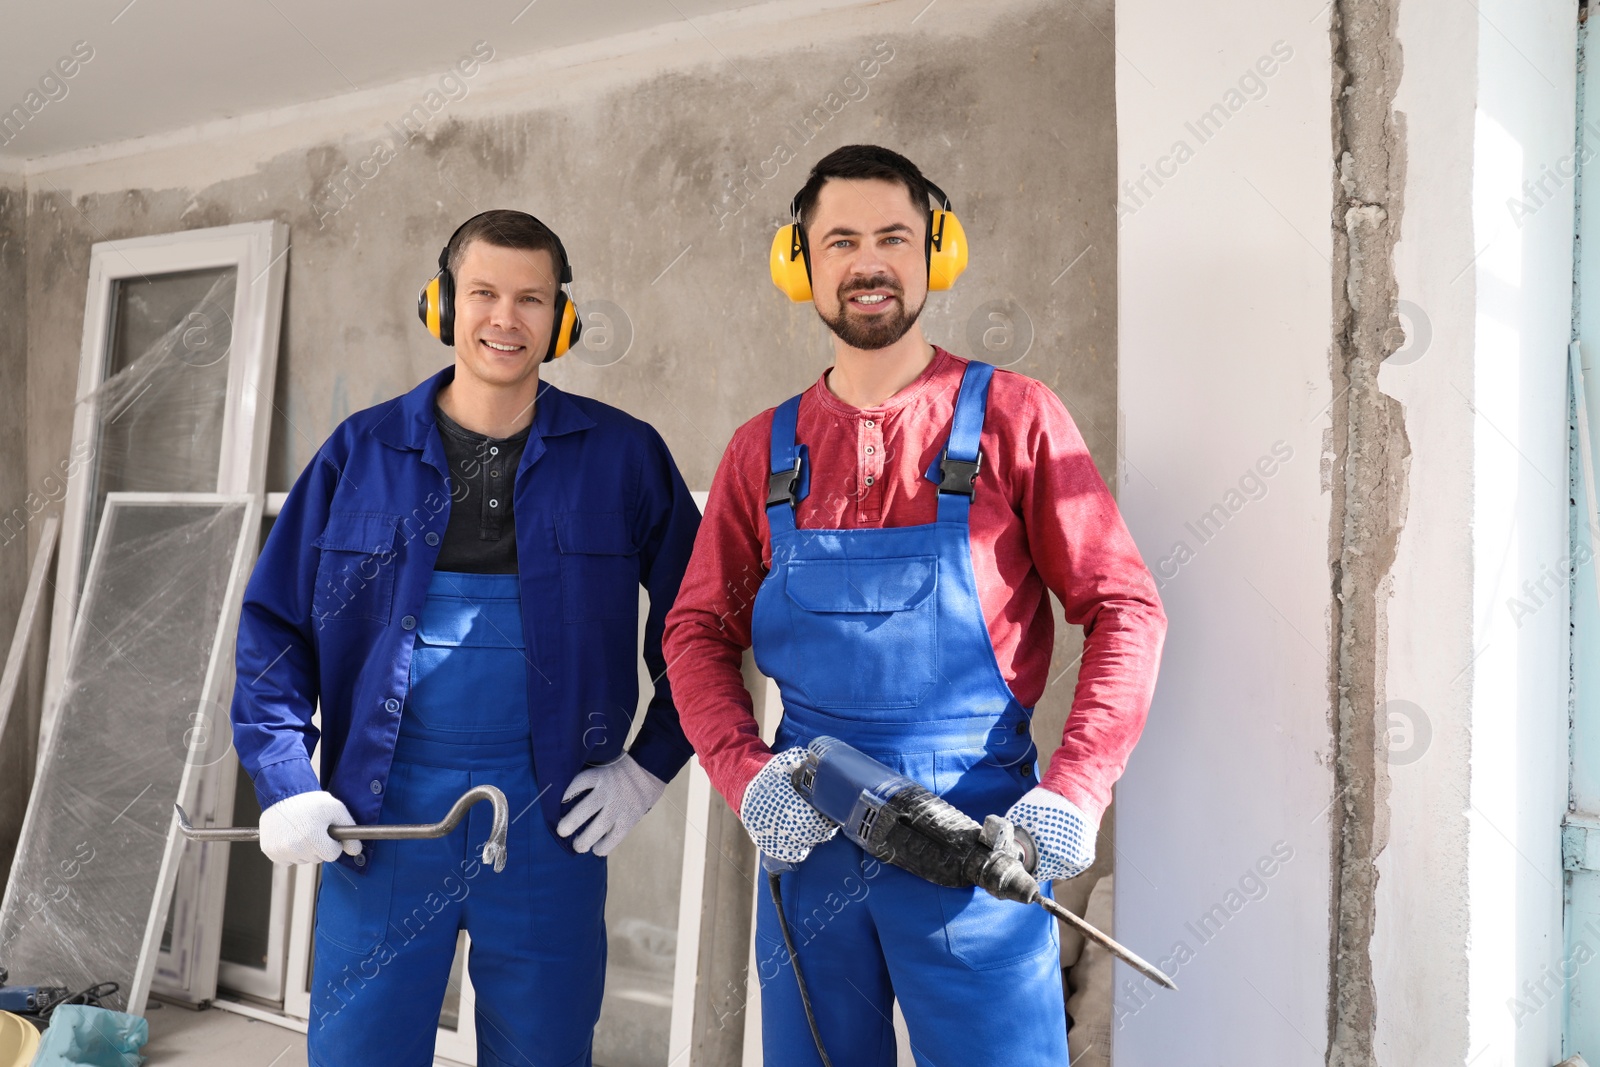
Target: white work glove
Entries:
(781, 822)
(295, 829)
(620, 792)
(1060, 831)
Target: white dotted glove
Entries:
(295, 829)
(619, 794)
(783, 823)
(1060, 831)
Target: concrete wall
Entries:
(665, 159)
(15, 751)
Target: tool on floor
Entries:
(27, 999)
(494, 849)
(37, 1003)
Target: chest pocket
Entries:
(468, 643)
(599, 567)
(864, 631)
(355, 574)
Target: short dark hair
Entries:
(860, 161)
(506, 229)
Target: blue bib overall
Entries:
(385, 939)
(877, 637)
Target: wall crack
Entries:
(1369, 455)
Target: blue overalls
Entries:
(385, 941)
(877, 637)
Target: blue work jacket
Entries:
(330, 611)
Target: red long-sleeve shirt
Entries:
(1042, 519)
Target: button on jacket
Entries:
(330, 611)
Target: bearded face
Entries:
(868, 258)
(871, 312)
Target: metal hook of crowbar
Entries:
(494, 849)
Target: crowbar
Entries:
(494, 849)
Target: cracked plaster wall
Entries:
(1369, 458)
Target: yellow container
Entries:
(18, 1041)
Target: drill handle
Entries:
(1001, 835)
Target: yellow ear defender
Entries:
(946, 249)
(791, 264)
(436, 304)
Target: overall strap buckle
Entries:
(959, 475)
(956, 476)
(783, 486)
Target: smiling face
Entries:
(505, 310)
(869, 271)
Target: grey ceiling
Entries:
(166, 64)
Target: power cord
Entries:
(776, 885)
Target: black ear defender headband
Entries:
(436, 304)
(945, 250)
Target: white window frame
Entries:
(768, 711)
(292, 902)
(199, 940)
(264, 983)
(256, 251)
(220, 657)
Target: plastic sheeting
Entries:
(81, 1036)
(90, 860)
(161, 409)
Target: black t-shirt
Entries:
(482, 535)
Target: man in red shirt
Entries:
(886, 542)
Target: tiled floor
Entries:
(183, 1038)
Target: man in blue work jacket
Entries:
(455, 577)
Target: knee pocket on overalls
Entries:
(814, 899)
(984, 932)
(353, 908)
(772, 959)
